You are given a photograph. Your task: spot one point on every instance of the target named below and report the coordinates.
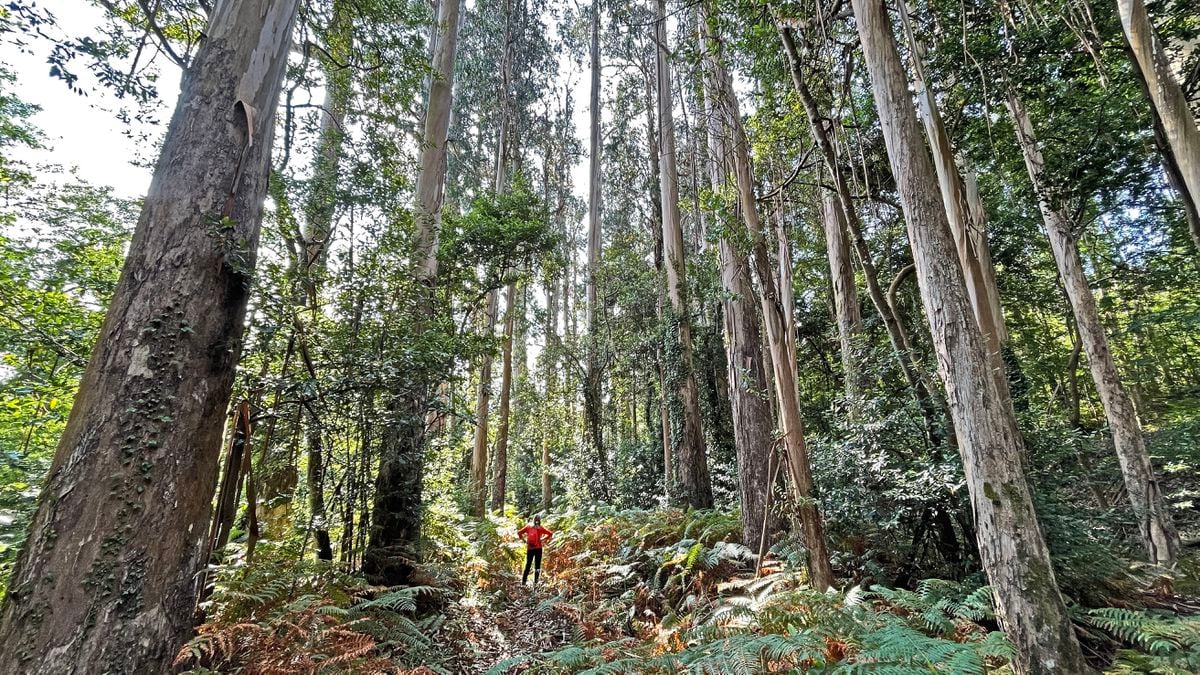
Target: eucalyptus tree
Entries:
(117, 536)
(897, 335)
(845, 294)
(970, 235)
(774, 315)
(1170, 107)
(1015, 557)
(747, 379)
(694, 483)
(396, 512)
(593, 377)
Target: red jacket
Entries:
(534, 536)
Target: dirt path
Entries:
(527, 625)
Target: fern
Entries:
(1159, 643)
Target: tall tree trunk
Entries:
(901, 346)
(656, 232)
(396, 512)
(1014, 554)
(105, 581)
(845, 296)
(974, 256)
(783, 356)
(500, 461)
(1169, 104)
(694, 485)
(592, 379)
(1154, 520)
(316, 232)
(479, 454)
(753, 426)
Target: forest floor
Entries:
(651, 592)
(529, 625)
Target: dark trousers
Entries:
(533, 560)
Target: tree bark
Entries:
(783, 355)
(1149, 506)
(845, 296)
(395, 528)
(1014, 553)
(229, 490)
(694, 485)
(1169, 105)
(656, 228)
(966, 223)
(105, 581)
(592, 380)
(479, 454)
(901, 346)
(751, 413)
(500, 461)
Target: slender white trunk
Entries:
(693, 462)
(845, 295)
(500, 460)
(593, 384)
(1154, 519)
(1170, 104)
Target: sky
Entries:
(85, 135)
(83, 132)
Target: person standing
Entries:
(534, 536)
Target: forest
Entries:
(831, 336)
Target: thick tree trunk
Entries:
(845, 295)
(395, 528)
(1150, 508)
(694, 485)
(105, 581)
(500, 461)
(753, 426)
(783, 355)
(1169, 103)
(1014, 553)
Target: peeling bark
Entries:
(694, 484)
(1149, 506)
(1014, 553)
(97, 587)
(1169, 103)
(966, 222)
(845, 295)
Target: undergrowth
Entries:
(661, 591)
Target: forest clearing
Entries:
(526, 336)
